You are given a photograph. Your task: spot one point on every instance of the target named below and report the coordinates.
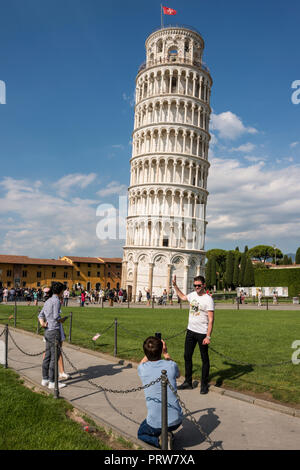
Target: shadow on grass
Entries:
(232, 373)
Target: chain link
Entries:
(189, 415)
(22, 351)
(110, 390)
(249, 364)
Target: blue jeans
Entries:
(150, 435)
(49, 359)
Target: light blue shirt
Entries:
(51, 312)
(149, 371)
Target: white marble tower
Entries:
(169, 166)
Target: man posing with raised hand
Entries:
(199, 330)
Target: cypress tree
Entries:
(213, 271)
(229, 269)
(208, 273)
(249, 274)
(242, 269)
(236, 272)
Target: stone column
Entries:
(185, 279)
(124, 274)
(134, 281)
(169, 283)
(150, 278)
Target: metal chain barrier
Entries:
(249, 364)
(2, 333)
(130, 332)
(110, 390)
(22, 351)
(191, 417)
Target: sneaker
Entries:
(63, 375)
(52, 385)
(44, 382)
(185, 386)
(204, 390)
(170, 440)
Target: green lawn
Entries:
(249, 336)
(35, 421)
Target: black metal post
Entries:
(15, 314)
(164, 410)
(180, 303)
(238, 303)
(56, 389)
(70, 328)
(153, 301)
(116, 338)
(6, 347)
(267, 303)
(38, 323)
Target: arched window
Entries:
(172, 53)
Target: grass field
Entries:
(248, 336)
(34, 421)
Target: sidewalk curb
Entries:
(295, 412)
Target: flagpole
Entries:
(161, 14)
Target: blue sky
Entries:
(69, 68)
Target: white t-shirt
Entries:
(198, 316)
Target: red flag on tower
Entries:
(169, 11)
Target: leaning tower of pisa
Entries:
(167, 195)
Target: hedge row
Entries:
(279, 278)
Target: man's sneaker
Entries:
(185, 386)
(44, 382)
(52, 385)
(63, 375)
(170, 440)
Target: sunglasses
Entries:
(198, 285)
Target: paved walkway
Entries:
(233, 422)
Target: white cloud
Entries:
(36, 222)
(229, 126)
(244, 148)
(294, 144)
(252, 204)
(114, 187)
(129, 99)
(68, 182)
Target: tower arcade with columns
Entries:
(167, 196)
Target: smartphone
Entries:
(158, 335)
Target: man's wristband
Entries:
(207, 336)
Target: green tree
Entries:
(249, 280)
(264, 252)
(208, 273)
(213, 271)
(285, 260)
(236, 271)
(229, 269)
(297, 260)
(242, 269)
